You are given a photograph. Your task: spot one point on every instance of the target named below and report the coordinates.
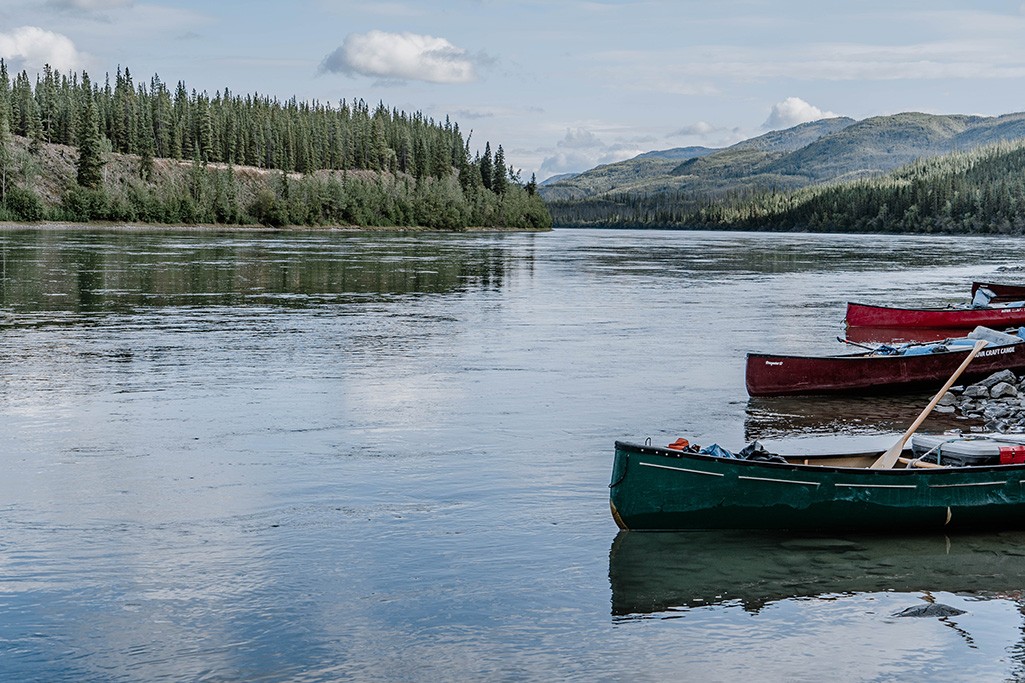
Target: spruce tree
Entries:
(6, 158)
(500, 182)
(146, 144)
(90, 148)
(5, 93)
(487, 168)
(24, 106)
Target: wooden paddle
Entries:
(848, 341)
(889, 458)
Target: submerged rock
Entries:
(931, 610)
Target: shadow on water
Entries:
(668, 573)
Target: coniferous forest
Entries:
(980, 192)
(72, 149)
(977, 192)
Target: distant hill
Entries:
(824, 151)
(680, 153)
(621, 175)
(558, 178)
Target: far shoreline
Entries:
(106, 226)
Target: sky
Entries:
(562, 85)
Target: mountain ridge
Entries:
(823, 151)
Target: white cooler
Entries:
(959, 450)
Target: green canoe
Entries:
(662, 489)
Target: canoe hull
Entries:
(775, 375)
(865, 315)
(657, 489)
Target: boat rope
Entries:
(938, 450)
(622, 476)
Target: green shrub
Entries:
(23, 204)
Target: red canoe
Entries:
(999, 317)
(1006, 309)
(772, 375)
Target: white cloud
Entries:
(581, 139)
(709, 135)
(581, 150)
(30, 47)
(700, 129)
(90, 5)
(402, 57)
(990, 49)
(793, 111)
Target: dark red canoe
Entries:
(1002, 292)
(774, 375)
(1005, 309)
(998, 317)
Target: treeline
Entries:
(977, 192)
(348, 163)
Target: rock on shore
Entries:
(998, 400)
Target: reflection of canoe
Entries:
(779, 375)
(652, 573)
(997, 316)
(661, 489)
(897, 335)
(783, 417)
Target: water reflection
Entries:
(88, 271)
(378, 457)
(736, 255)
(670, 573)
(789, 416)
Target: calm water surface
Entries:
(385, 457)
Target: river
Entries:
(377, 457)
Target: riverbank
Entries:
(40, 187)
(110, 226)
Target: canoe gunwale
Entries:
(869, 355)
(930, 309)
(810, 468)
